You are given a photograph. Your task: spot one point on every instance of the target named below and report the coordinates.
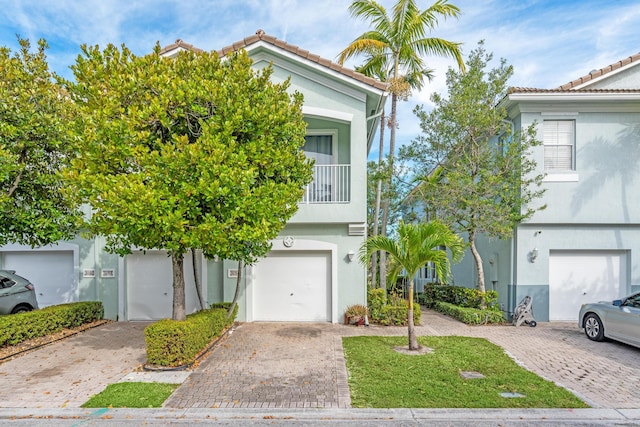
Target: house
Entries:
(310, 274)
(585, 246)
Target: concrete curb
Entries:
(452, 415)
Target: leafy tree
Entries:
(473, 171)
(415, 245)
(394, 49)
(33, 150)
(186, 153)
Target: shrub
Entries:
(458, 295)
(392, 310)
(470, 316)
(16, 328)
(172, 343)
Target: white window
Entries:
(559, 145)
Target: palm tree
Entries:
(416, 245)
(394, 49)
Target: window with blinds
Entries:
(559, 145)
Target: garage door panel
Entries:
(150, 286)
(293, 286)
(578, 277)
(51, 272)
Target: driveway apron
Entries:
(270, 365)
(67, 373)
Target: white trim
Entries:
(561, 177)
(551, 114)
(328, 114)
(299, 245)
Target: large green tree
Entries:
(415, 246)
(395, 50)
(34, 148)
(191, 152)
(474, 170)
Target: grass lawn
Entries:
(132, 395)
(380, 377)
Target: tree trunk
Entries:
(413, 339)
(196, 278)
(386, 202)
(179, 311)
(478, 260)
(376, 212)
(237, 292)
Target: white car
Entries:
(618, 320)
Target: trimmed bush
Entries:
(470, 316)
(172, 343)
(390, 311)
(16, 328)
(458, 295)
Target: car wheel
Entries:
(593, 328)
(20, 309)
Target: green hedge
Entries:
(16, 328)
(458, 295)
(172, 343)
(470, 316)
(390, 311)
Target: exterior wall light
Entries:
(350, 255)
(533, 255)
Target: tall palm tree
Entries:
(396, 46)
(415, 246)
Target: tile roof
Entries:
(179, 44)
(513, 90)
(571, 86)
(602, 71)
(261, 36)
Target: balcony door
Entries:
(321, 148)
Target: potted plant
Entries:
(356, 315)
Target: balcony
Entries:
(331, 184)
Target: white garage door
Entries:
(51, 272)
(578, 277)
(293, 286)
(150, 286)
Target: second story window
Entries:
(559, 145)
(319, 148)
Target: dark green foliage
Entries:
(173, 343)
(390, 311)
(470, 316)
(16, 328)
(458, 295)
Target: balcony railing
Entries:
(331, 184)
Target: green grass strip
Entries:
(132, 395)
(380, 377)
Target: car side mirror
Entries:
(617, 302)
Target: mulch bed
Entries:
(12, 351)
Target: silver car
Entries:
(17, 294)
(618, 320)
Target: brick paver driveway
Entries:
(293, 365)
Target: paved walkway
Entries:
(296, 365)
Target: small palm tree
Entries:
(416, 245)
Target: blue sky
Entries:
(549, 43)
